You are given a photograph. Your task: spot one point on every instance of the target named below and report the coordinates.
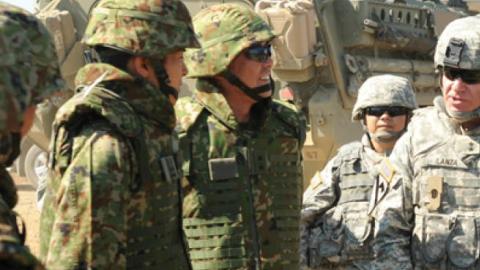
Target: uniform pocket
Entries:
(326, 240)
(357, 230)
(462, 246)
(431, 235)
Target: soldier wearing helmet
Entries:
(241, 149)
(29, 73)
(336, 230)
(113, 199)
(429, 217)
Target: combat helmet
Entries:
(458, 47)
(225, 30)
(29, 70)
(384, 90)
(459, 44)
(148, 28)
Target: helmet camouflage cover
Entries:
(384, 90)
(224, 30)
(29, 67)
(459, 44)
(149, 28)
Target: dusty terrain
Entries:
(27, 209)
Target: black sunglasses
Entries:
(259, 52)
(392, 111)
(467, 76)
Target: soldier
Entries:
(29, 73)
(429, 218)
(241, 149)
(336, 229)
(113, 198)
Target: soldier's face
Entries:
(175, 68)
(252, 72)
(385, 123)
(459, 95)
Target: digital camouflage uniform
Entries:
(337, 229)
(29, 73)
(243, 181)
(113, 198)
(430, 217)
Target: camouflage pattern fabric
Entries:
(113, 200)
(432, 207)
(29, 70)
(13, 253)
(28, 73)
(384, 90)
(224, 30)
(459, 44)
(242, 184)
(336, 230)
(148, 28)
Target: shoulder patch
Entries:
(187, 111)
(386, 170)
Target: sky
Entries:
(26, 4)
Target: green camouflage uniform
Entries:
(243, 181)
(430, 217)
(113, 198)
(29, 73)
(337, 230)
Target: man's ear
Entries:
(139, 65)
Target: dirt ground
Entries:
(27, 209)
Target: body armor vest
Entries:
(447, 206)
(243, 196)
(154, 236)
(343, 233)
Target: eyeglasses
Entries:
(467, 76)
(392, 111)
(259, 52)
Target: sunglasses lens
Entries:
(467, 76)
(259, 53)
(392, 111)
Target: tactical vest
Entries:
(154, 236)
(446, 196)
(344, 232)
(243, 196)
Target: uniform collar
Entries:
(373, 156)
(209, 95)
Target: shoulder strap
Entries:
(350, 151)
(188, 112)
(289, 115)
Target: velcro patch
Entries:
(387, 170)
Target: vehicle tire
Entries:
(36, 165)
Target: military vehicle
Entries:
(325, 50)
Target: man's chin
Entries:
(459, 109)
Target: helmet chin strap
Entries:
(163, 80)
(386, 136)
(253, 93)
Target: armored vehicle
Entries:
(325, 50)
